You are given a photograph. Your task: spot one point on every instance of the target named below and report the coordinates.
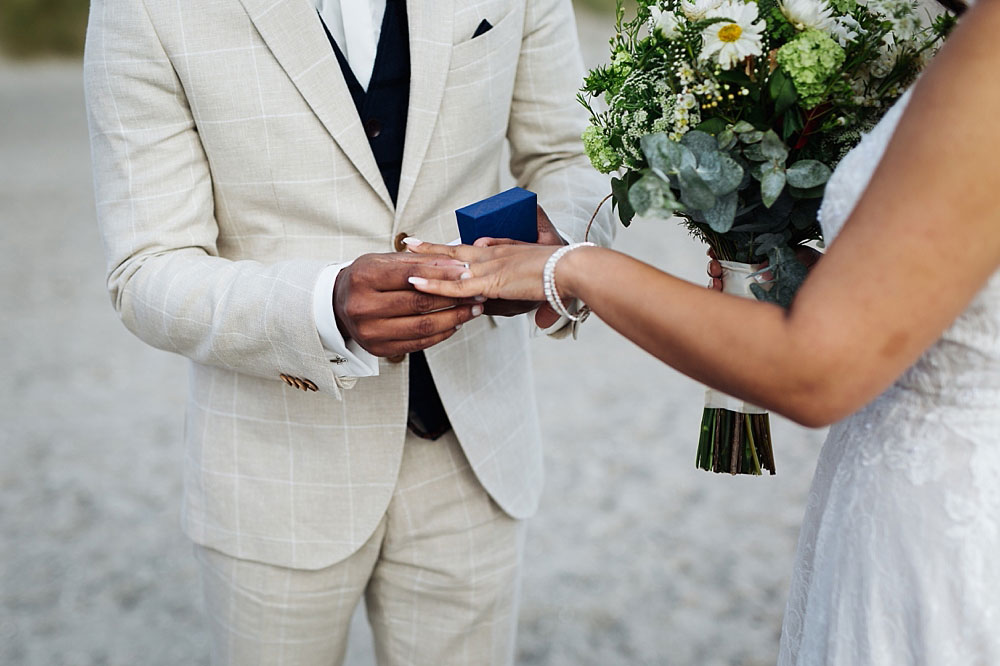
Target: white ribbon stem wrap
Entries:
(736, 280)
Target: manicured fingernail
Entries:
(480, 299)
(477, 310)
(412, 242)
(465, 276)
(417, 281)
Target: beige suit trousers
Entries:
(439, 575)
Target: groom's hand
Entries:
(377, 307)
(546, 316)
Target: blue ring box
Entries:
(510, 214)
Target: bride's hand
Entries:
(511, 272)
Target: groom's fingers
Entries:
(412, 302)
(429, 325)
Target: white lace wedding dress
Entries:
(899, 557)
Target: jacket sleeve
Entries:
(156, 212)
(546, 122)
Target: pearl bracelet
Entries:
(549, 283)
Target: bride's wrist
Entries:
(570, 271)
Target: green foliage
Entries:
(43, 27)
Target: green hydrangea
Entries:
(844, 6)
(604, 158)
(812, 59)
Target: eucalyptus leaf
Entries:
(771, 184)
(651, 196)
(728, 177)
(773, 147)
(727, 139)
(655, 148)
(767, 242)
(721, 216)
(811, 193)
(789, 274)
(700, 143)
(806, 174)
(742, 127)
(754, 153)
(751, 136)
(695, 193)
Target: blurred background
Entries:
(635, 557)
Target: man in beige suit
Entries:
(253, 186)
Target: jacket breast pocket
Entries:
(505, 34)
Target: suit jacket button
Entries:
(285, 378)
(396, 359)
(298, 383)
(310, 385)
(398, 241)
(373, 127)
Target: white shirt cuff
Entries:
(563, 326)
(348, 358)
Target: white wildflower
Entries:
(664, 23)
(696, 10)
(845, 29)
(808, 14)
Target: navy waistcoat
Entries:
(382, 109)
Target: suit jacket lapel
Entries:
(430, 29)
(294, 33)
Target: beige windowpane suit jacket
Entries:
(231, 167)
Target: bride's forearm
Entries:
(746, 348)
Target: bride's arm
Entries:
(922, 241)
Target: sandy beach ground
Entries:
(634, 558)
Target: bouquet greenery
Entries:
(732, 115)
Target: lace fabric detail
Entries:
(896, 558)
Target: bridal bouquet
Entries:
(731, 115)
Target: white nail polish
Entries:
(465, 276)
(417, 281)
(477, 310)
(412, 242)
(480, 299)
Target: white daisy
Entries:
(730, 42)
(808, 14)
(696, 10)
(664, 22)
